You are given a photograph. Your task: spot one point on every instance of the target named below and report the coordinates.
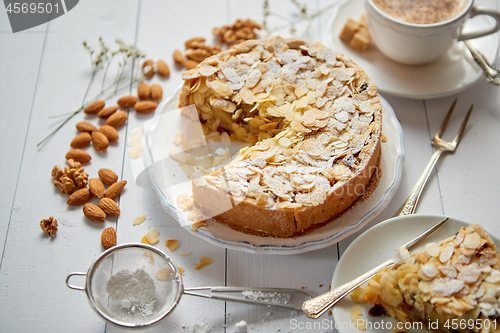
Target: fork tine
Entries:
(445, 121)
(462, 128)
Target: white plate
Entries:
(375, 246)
(452, 73)
(159, 139)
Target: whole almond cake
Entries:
(312, 120)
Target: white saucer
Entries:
(376, 245)
(452, 73)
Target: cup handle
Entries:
(495, 14)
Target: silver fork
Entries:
(316, 306)
(440, 146)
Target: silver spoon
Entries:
(492, 74)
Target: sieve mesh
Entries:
(128, 303)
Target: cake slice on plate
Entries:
(453, 286)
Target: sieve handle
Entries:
(276, 297)
(73, 286)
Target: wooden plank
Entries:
(20, 54)
(163, 27)
(34, 267)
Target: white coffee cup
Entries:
(414, 44)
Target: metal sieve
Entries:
(127, 258)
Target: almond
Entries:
(178, 58)
(190, 64)
(117, 119)
(115, 189)
(143, 90)
(96, 187)
(106, 112)
(110, 132)
(127, 101)
(162, 69)
(109, 206)
(145, 106)
(100, 141)
(85, 126)
(107, 176)
(79, 197)
(148, 69)
(93, 213)
(108, 238)
(94, 107)
(156, 92)
(81, 140)
(78, 155)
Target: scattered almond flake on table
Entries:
(164, 274)
(181, 270)
(172, 244)
(139, 219)
(153, 236)
(204, 261)
(150, 256)
(184, 254)
(355, 314)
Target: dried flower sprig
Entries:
(102, 60)
(304, 15)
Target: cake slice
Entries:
(453, 286)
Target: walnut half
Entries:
(49, 226)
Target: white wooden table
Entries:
(44, 71)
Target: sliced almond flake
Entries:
(139, 219)
(153, 236)
(432, 249)
(185, 202)
(150, 256)
(204, 261)
(207, 70)
(493, 277)
(472, 241)
(165, 274)
(446, 253)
